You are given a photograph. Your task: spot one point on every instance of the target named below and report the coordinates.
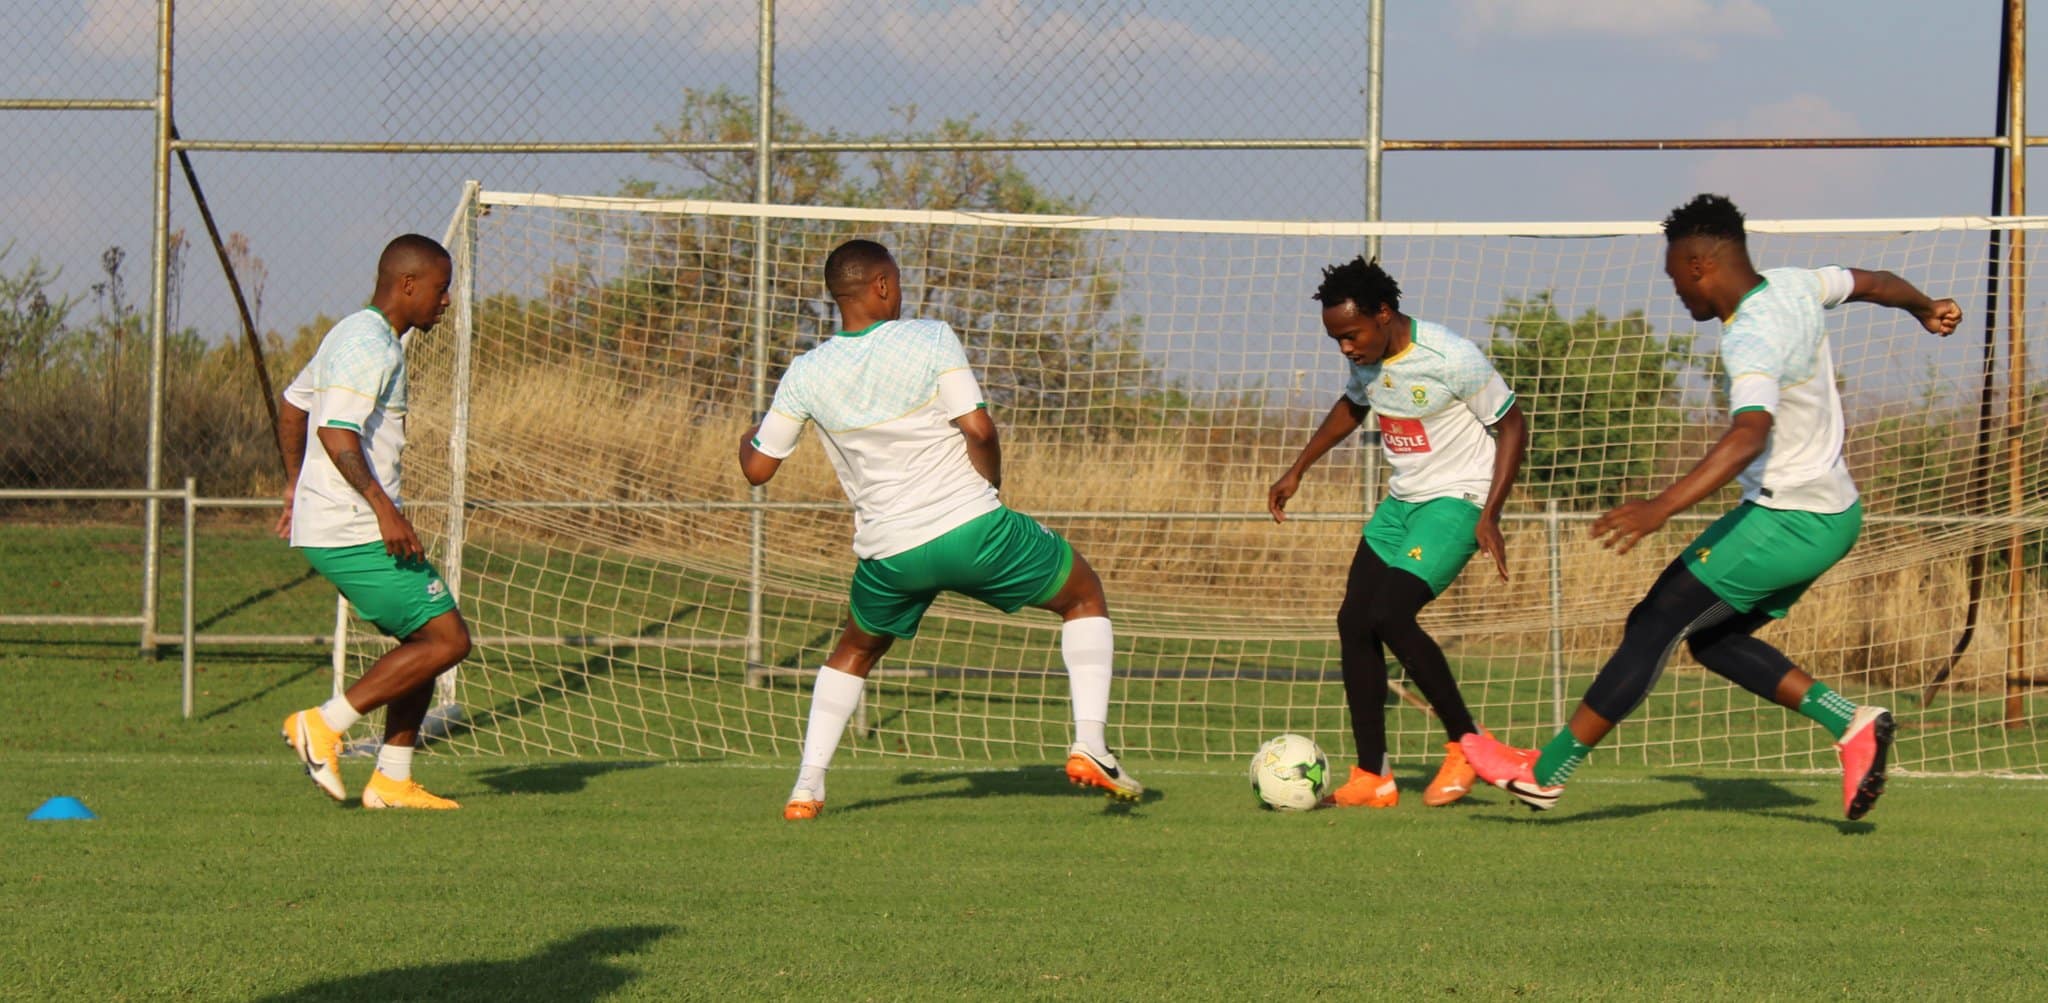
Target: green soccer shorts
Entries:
(1431, 540)
(399, 597)
(1004, 558)
(1758, 558)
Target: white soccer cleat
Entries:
(1087, 769)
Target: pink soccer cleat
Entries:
(1510, 769)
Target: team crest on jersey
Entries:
(435, 588)
(1415, 553)
(1418, 395)
(1702, 554)
(1387, 381)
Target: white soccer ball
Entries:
(1289, 773)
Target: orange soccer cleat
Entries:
(1365, 789)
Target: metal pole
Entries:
(1553, 531)
(185, 627)
(1375, 159)
(2016, 395)
(160, 252)
(457, 526)
(764, 148)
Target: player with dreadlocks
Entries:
(1800, 512)
(1454, 438)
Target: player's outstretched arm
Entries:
(1510, 447)
(345, 448)
(1344, 418)
(291, 443)
(1938, 316)
(758, 467)
(1625, 525)
(984, 445)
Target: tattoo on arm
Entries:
(356, 471)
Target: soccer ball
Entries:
(1289, 773)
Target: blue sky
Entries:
(73, 184)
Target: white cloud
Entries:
(1690, 27)
(1793, 183)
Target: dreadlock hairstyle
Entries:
(1364, 283)
(1710, 216)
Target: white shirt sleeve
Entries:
(1753, 392)
(1835, 285)
(1492, 401)
(959, 392)
(300, 393)
(778, 435)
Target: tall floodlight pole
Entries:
(764, 124)
(159, 258)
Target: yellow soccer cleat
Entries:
(319, 750)
(1453, 779)
(1365, 789)
(384, 792)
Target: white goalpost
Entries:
(575, 425)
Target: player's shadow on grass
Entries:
(281, 683)
(1021, 781)
(252, 599)
(551, 778)
(580, 968)
(1747, 795)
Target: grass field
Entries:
(216, 872)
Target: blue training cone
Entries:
(60, 808)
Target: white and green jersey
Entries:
(884, 399)
(1775, 353)
(1434, 401)
(355, 381)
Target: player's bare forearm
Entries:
(1622, 527)
(345, 448)
(984, 445)
(291, 440)
(1939, 316)
(1511, 446)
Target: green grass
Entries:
(215, 871)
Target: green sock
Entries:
(1560, 758)
(1830, 708)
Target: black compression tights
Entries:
(1380, 606)
(1681, 607)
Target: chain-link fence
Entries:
(318, 130)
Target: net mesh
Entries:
(1152, 378)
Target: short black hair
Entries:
(1711, 216)
(1364, 283)
(853, 263)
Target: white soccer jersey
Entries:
(1434, 401)
(883, 399)
(1776, 356)
(355, 381)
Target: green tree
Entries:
(1603, 396)
(1037, 308)
(32, 325)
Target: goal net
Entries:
(575, 428)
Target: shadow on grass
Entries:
(1022, 781)
(253, 598)
(1746, 795)
(580, 968)
(552, 778)
(318, 668)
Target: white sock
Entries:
(833, 697)
(395, 761)
(1088, 645)
(339, 715)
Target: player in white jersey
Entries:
(1455, 437)
(1799, 513)
(341, 424)
(909, 434)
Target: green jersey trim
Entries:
(864, 330)
(338, 423)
